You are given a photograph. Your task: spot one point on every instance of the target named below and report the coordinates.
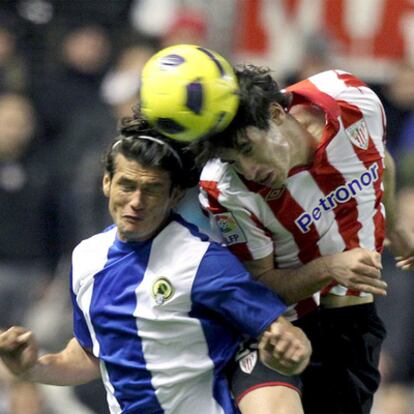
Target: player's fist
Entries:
(285, 348)
(18, 349)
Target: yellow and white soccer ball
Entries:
(188, 92)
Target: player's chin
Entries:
(278, 182)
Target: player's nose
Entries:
(137, 200)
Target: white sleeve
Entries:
(237, 212)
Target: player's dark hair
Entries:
(135, 143)
(257, 90)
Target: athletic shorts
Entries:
(247, 372)
(342, 376)
(351, 343)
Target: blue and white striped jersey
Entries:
(164, 317)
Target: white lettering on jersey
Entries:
(340, 195)
(230, 229)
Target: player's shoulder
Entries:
(96, 243)
(184, 234)
(218, 177)
(90, 255)
(214, 170)
(336, 82)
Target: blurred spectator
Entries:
(319, 54)
(73, 86)
(405, 153)
(397, 96)
(58, 12)
(24, 187)
(108, 13)
(180, 21)
(26, 237)
(147, 19)
(189, 26)
(13, 66)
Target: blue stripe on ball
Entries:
(214, 59)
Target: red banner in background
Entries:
(378, 31)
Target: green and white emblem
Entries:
(162, 290)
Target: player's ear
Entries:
(177, 195)
(106, 184)
(277, 113)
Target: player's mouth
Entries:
(132, 218)
(267, 180)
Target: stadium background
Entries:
(69, 70)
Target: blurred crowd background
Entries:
(69, 69)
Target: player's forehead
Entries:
(133, 170)
(245, 140)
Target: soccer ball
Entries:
(188, 92)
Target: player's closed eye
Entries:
(246, 149)
(128, 188)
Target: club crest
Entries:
(358, 134)
(162, 290)
(248, 362)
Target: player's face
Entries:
(268, 162)
(140, 199)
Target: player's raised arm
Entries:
(72, 366)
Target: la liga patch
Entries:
(230, 229)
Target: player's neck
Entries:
(310, 117)
(302, 143)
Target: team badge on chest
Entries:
(162, 290)
(358, 134)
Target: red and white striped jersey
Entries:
(327, 207)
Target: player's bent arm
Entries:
(285, 348)
(358, 269)
(72, 366)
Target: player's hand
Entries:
(358, 269)
(18, 350)
(400, 241)
(285, 348)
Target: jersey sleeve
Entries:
(80, 328)
(238, 217)
(223, 286)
